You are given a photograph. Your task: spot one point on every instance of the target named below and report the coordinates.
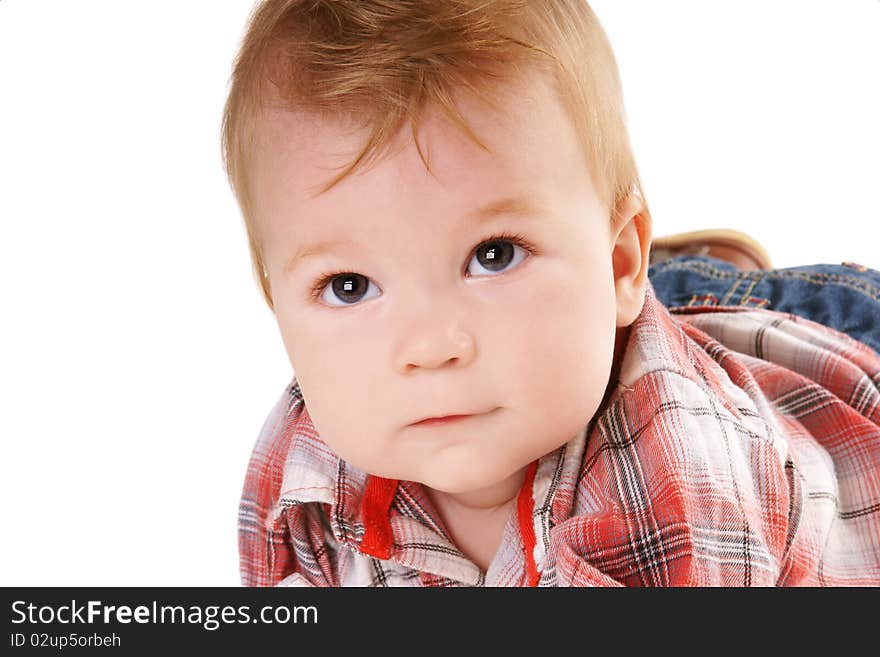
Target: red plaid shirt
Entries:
(739, 447)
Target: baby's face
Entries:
(488, 290)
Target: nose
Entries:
(434, 343)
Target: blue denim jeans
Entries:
(845, 297)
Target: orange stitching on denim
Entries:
(748, 292)
(730, 292)
(704, 298)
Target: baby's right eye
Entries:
(347, 287)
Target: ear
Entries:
(631, 243)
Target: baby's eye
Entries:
(347, 287)
(496, 255)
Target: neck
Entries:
(483, 500)
(475, 520)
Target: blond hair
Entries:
(381, 62)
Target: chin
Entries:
(464, 480)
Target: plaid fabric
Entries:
(739, 447)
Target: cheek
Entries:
(563, 354)
(333, 366)
(321, 342)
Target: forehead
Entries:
(534, 153)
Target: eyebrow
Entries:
(517, 206)
(513, 206)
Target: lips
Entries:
(446, 419)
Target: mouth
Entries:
(444, 420)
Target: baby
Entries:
(445, 216)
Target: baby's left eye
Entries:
(496, 255)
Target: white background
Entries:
(137, 360)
